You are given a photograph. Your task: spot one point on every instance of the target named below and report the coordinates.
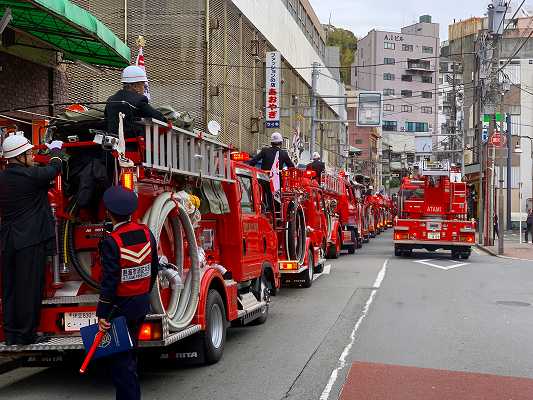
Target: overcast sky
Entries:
(361, 16)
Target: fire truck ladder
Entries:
(181, 152)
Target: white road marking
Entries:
(326, 271)
(342, 359)
(454, 265)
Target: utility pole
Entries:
(314, 85)
(453, 117)
(509, 166)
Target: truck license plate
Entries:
(433, 235)
(74, 321)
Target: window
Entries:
(388, 107)
(407, 47)
(407, 78)
(388, 77)
(427, 95)
(388, 92)
(247, 199)
(358, 141)
(427, 49)
(389, 61)
(427, 79)
(427, 110)
(416, 126)
(441, 81)
(407, 93)
(406, 108)
(390, 126)
(389, 46)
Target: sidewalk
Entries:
(512, 248)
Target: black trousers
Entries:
(528, 231)
(124, 368)
(22, 291)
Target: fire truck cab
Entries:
(213, 220)
(433, 213)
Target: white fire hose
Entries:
(183, 300)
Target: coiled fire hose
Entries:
(183, 302)
(295, 233)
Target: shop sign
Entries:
(273, 80)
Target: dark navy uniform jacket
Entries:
(134, 307)
(267, 156)
(25, 213)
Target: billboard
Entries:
(273, 80)
(369, 109)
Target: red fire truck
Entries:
(433, 214)
(309, 227)
(212, 218)
(344, 195)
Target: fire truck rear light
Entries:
(150, 331)
(240, 156)
(288, 265)
(127, 179)
(401, 236)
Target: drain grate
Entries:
(513, 303)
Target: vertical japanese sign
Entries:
(273, 81)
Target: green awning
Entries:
(68, 28)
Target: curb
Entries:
(494, 254)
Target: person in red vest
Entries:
(129, 270)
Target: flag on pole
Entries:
(274, 176)
(140, 63)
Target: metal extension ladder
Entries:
(181, 152)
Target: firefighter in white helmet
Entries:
(131, 101)
(267, 155)
(317, 165)
(27, 235)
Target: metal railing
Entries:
(181, 152)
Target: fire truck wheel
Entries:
(352, 247)
(333, 251)
(456, 254)
(215, 332)
(264, 294)
(397, 251)
(307, 275)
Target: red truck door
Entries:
(251, 255)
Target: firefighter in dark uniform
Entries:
(268, 154)
(129, 271)
(27, 235)
(131, 101)
(317, 165)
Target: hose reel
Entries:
(295, 233)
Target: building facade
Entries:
(404, 67)
(207, 57)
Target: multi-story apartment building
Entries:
(404, 66)
(208, 57)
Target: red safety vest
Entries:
(135, 261)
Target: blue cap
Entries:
(120, 201)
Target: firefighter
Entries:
(132, 102)
(317, 165)
(267, 155)
(27, 233)
(129, 271)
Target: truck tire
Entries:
(261, 295)
(455, 254)
(215, 332)
(397, 251)
(351, 248)
(307, 275)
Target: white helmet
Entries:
(15, 145)
(276, 138)
(316, 155)
(134, 74)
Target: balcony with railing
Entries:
(418, 65)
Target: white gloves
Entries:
(55, 145)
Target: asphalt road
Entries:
(425, 311)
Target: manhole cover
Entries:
(513, 303)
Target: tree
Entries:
(347, 42)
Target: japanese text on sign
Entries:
(273, 73)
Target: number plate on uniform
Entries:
(433, 235)
(74, 321)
